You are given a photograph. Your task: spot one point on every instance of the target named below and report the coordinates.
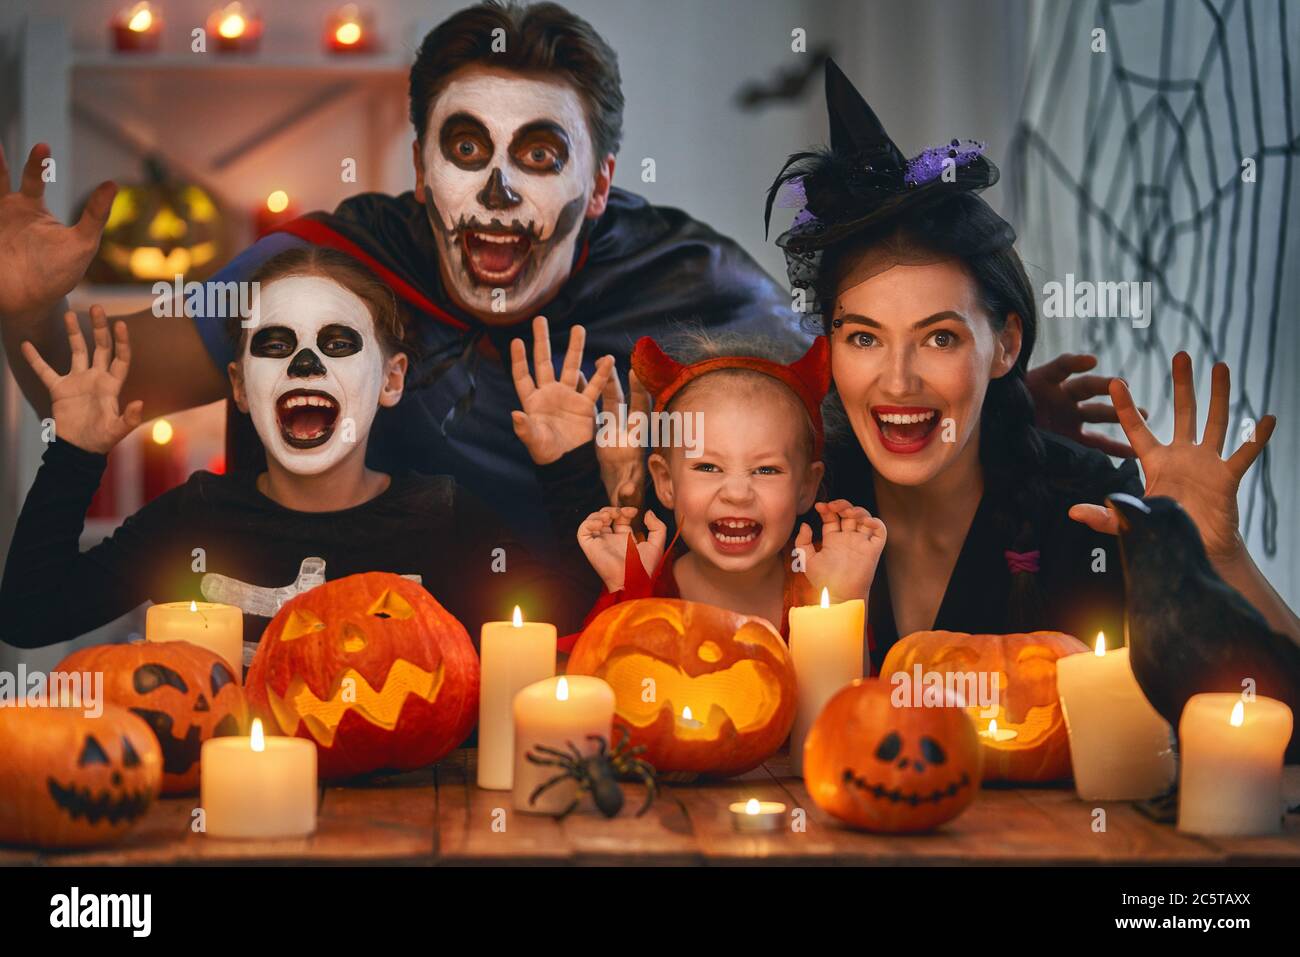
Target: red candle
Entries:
(137, 29)
(349, 31)
(234, 28)
(164, 464)
(277, 210)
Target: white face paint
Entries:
(508, 168)
(312, 370)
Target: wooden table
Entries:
(438, 816)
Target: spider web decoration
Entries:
(1130, 165)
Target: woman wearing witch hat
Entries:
(994, 524)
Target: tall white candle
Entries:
(218, 628)
(258, 787)
(826, 650)
(1231, 753)
(1120, 747)
(514, 654)
(555, 713)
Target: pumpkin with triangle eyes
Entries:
(186, 694)
(69, 780)
(890, 767)
(372, 669)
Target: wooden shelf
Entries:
(378, 64)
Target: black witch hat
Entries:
(863, 179)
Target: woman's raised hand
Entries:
(622, 461)
(1194, 474)
(603, 537)
(558, 415)
(84, 402)
(852, 542)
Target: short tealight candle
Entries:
(756, 815)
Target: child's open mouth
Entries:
(306, 417)
(905, 429)
(496, 257)
(735, 536)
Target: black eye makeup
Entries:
(465, 142)
(337, 340)
(273, 342)
(540, 147)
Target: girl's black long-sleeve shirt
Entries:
(427, 525)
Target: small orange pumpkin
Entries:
(372, 669)
(68, 780)
(663, 655)
(1028, 705)
(186, 694)
(888, 768)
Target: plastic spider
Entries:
(597, 774)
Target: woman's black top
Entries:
(420, 524)
(1080, 578)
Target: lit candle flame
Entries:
(1101, 644)
(562, 690)
(826, 598)
(1238, 715)
(518, 619)
(993, 727)
(278, 201)
(162, 432)
(141, 20)
(257, 739)
(348, 33)
(232, 26)
(194, 606)
(751, 806)
(686, 714)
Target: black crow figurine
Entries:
(1188, 630)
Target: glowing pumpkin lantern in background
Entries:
(663, 656)
(68, 780)
(158, 230)
(186, 694)
(1032, 743)
(892, 769)
(373, 669)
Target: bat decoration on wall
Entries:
(788, 84)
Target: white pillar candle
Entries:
(514, 654)
(258, 787)
(554, 713)
(1231, 753)
(826, 650)
(218, 628)
(1119, 745)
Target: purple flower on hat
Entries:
(927, 166)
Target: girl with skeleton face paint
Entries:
(506, 175)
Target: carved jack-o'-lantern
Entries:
(158, 230)
(664, 655)
(186, 694)
(68, 780)
(890, 768)
(1032, 743)
(373, 669)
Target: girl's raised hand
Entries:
(84, 402)
(852, 542)
(1194, 474)
(558, 415)
(603, 538)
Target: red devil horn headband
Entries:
(809, 377)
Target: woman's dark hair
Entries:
(391, 326)
(965, 229)
(542, 39)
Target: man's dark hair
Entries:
(543, 39)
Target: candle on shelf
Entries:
(163, 465)
(218, 628)
(513, 655)
(348, 30)
(259, 786)
(1231, 751)
(1119, 744)
(136, 29)
(276, 211)
(994, 733)
(826, 650)
(756, 815)
(234, 28)
(555, 713)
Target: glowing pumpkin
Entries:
(373, 669)
(158, 230)
(664, 655)
(1037, 747)
(885, 768)
(68, 780)
(186, 694)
